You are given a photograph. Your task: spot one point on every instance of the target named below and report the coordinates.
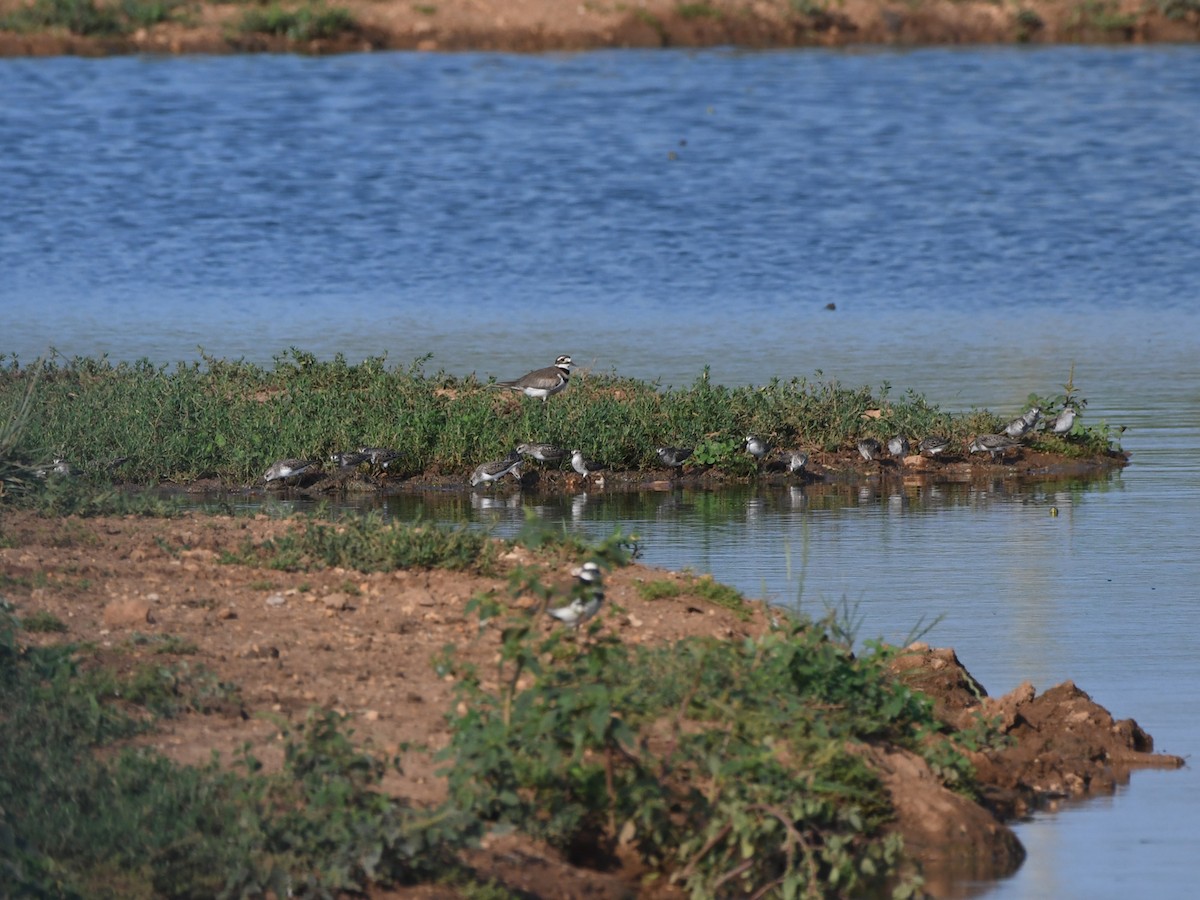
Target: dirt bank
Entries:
(552, 25)
(363, 644)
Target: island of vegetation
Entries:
(101, 27)
(209, 705)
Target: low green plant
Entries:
(89, 19)
(729, 765)
(369, 544)
(45, 622)
(1100, 15)
(699, 10)
(658, 589)
(309, 22)
(1177, 10)
(130, 823)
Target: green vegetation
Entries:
(699, 10)
(730, 766)
(86, 18)
(145, 423)
(713, 591)
(1100, 15)
(77, 823)
(369, 544)
(44, 621)
(309, 22)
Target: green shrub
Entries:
(730, 765)
(308, 23)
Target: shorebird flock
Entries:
(541, 384)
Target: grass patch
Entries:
(231, 420)
(44, 622)
(88, 19)
(658, 589)
(368, 544)
(310, 22)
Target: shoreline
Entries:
(541, 26)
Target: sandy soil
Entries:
(363, 644)
(541, 25)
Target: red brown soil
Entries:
(363, 644)
(556, 25)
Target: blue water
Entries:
(983, 220)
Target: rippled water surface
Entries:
(982, 220)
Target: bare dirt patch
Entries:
(364, 644)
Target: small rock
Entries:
(371, 715)
(337, 601)
(227, 613)
(125, 613)
(276, 600)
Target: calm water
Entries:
(982, 220)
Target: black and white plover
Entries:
(542, 452)
(542, 383)
(290, 468)
(995, 444)
(496, 469)
(869, 449)
(673, 457)
(587, 596)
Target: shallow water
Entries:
(982, 220)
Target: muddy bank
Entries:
(364, 644)
(549, 25)
(823, 470)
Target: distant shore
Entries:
(91, 28)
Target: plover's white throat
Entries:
(757, 447)
(869, 448)
(289, 468)
(497, 469)
(542, 452)
(542, 383)
(1064, 421)
(995, 444)
(674, 457)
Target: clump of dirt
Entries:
(364, 644)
